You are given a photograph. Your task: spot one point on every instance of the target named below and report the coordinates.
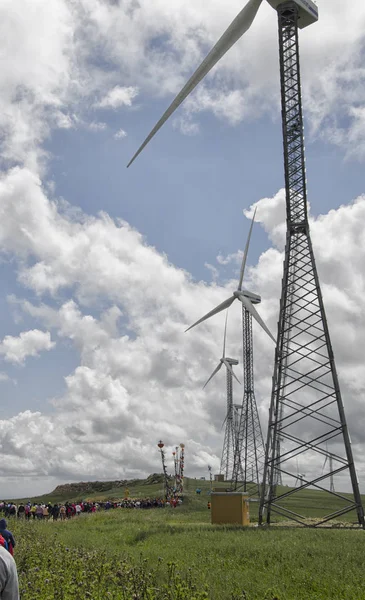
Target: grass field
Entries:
(181, 550)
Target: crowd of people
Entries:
(46, 511)
(8, 573)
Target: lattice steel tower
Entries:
(227, 460)
(229, 443)
(306, 408)
(249, 449)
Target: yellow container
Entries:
(230, 507)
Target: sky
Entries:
(103, 267)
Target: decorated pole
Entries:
(210, 477)
(181, 469)
(166, 477)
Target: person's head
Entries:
(3, 523)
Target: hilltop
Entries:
(151, 487)
(82, 488)
(309, 502)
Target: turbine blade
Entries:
(224, 422)
(236, 29)
(236, 378)
(214, 373)
(229, 367)
(215, 311)
(244, 258)
(251, 309)
(225, 335)
(324, 464)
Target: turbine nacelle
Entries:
(307, 11)
(255, 298)
(231, 361)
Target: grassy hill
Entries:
(310, 502)
(170, 550)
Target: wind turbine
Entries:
(247, 299)
(227, 362)
(249, 446)
(308, 13)
(300, 476)
(229, 444)
(329, 458)
(302, 311)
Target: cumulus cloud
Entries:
(120, 134)
(37, 82)
(27, 343)
(53, 75)
(159, 45)
(186, 125)
(97, 126)
(118, 96)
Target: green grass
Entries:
(231, 562)
(288, 564)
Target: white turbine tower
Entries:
(229, 444)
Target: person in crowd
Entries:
(21, 511)
(9, 587)
(39, 511)
(55, 512)
(27, 511)
(7, 535)
(63, 512)
(33, 510)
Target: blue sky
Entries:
(101, 310)
(186, 194)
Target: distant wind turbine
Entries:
(329, 458)
(229, 444)
(228, 362)
(248, 299)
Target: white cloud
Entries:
(53, 74)
(97, 126)
(118, 96)
(159, 45)
(36, 80)
(120, 134)
(186, 125)
(28, 343)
